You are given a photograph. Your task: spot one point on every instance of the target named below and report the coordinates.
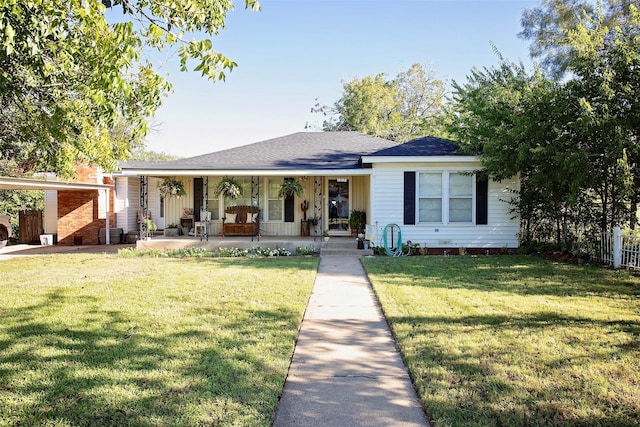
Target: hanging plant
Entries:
(228, 188)
(171, 187)
(289, 187)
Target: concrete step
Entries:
(343, 246)
(345, 252)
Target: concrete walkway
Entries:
(346, 370)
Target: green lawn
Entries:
(106, 340)
(513, 341)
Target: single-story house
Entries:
(424, 186)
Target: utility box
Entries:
(46, 239)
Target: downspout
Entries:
(107, 224)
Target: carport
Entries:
(10, 183)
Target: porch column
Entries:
(255, 198)
(204, 211)
(144, 205)
(318, 205)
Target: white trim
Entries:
(349, 181)
(10, 183)
(446, 198)
(420, 159)
(257, 172)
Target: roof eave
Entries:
(241, 172)
(420, 159)
(11, 183)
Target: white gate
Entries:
(619, 250)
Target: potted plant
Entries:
(357, 221)
(228, 188)
(171, 187)
(304, 224)
(171, 230)
(290, 187)
(147, 227)
(325, 234)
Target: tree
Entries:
(548, 25)
(508, 117)
(398, 109)
(68, 76)
(142, 154)
(606, 66)
(574, 142)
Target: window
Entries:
(460, 197)
(275, 204)
(445, 197)
(430, 197)
(243, 199)
(213, 205)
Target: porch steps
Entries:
(343, 246)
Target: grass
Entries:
(107, 340)
(513, 341)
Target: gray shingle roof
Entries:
(427, 146)
(303, 150)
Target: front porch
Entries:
(325, 205)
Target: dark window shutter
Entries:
(197, 198)
(288, 206)
(409, 198)
(482, 198)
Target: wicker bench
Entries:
(241, 224)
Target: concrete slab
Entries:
(346, 369)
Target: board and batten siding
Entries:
(128, 203)
(387, 202)
(174, 207)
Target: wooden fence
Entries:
(30, 223)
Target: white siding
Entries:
(126, 203)
(173, 207)
(388, 208)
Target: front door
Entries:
(338, 206)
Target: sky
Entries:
(293, 54)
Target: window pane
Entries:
(275, 210)
(245, 197)
(460, 185)
(430, 184)
(460, 210)
(430, 210)
(213, 205)
(274, 187)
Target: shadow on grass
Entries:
(269, 263)
(108, 370)
(523, 275)
(489, 378)
(532, 342)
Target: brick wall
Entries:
(78, 222)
